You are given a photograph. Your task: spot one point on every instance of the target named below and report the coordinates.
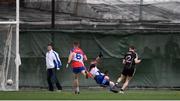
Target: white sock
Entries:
(77, 89)
(119, 80)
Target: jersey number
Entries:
(78, 56)
(128, 59)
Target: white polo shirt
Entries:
(50, 57)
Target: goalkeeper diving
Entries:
(101, 78)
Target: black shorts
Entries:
(128, 71)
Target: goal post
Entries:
(9, 53)
(17, 59)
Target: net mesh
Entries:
(7, 57)
(129, 10)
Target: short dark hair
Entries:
(132, 47)
(76, 43)
(50, 44)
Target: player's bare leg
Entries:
(122, 77)
(76, 83)
(128, 79)
(85, 73)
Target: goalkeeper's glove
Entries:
(100, 55)
(67, 65)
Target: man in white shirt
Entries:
(53, 63)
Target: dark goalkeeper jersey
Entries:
(129, 60)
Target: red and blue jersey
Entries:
(78, 57)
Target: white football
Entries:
(9, 82)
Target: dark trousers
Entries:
(51, 79)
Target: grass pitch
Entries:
(92, 95)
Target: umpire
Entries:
(53, 63)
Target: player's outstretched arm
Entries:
(69, 59)
(137, 60)
(96, 61)
(85, 58)
(124, 61)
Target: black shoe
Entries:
(77, 92)
(51, 90)
(114, 91)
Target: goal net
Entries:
(8, 68)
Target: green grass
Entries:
(92, 95)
